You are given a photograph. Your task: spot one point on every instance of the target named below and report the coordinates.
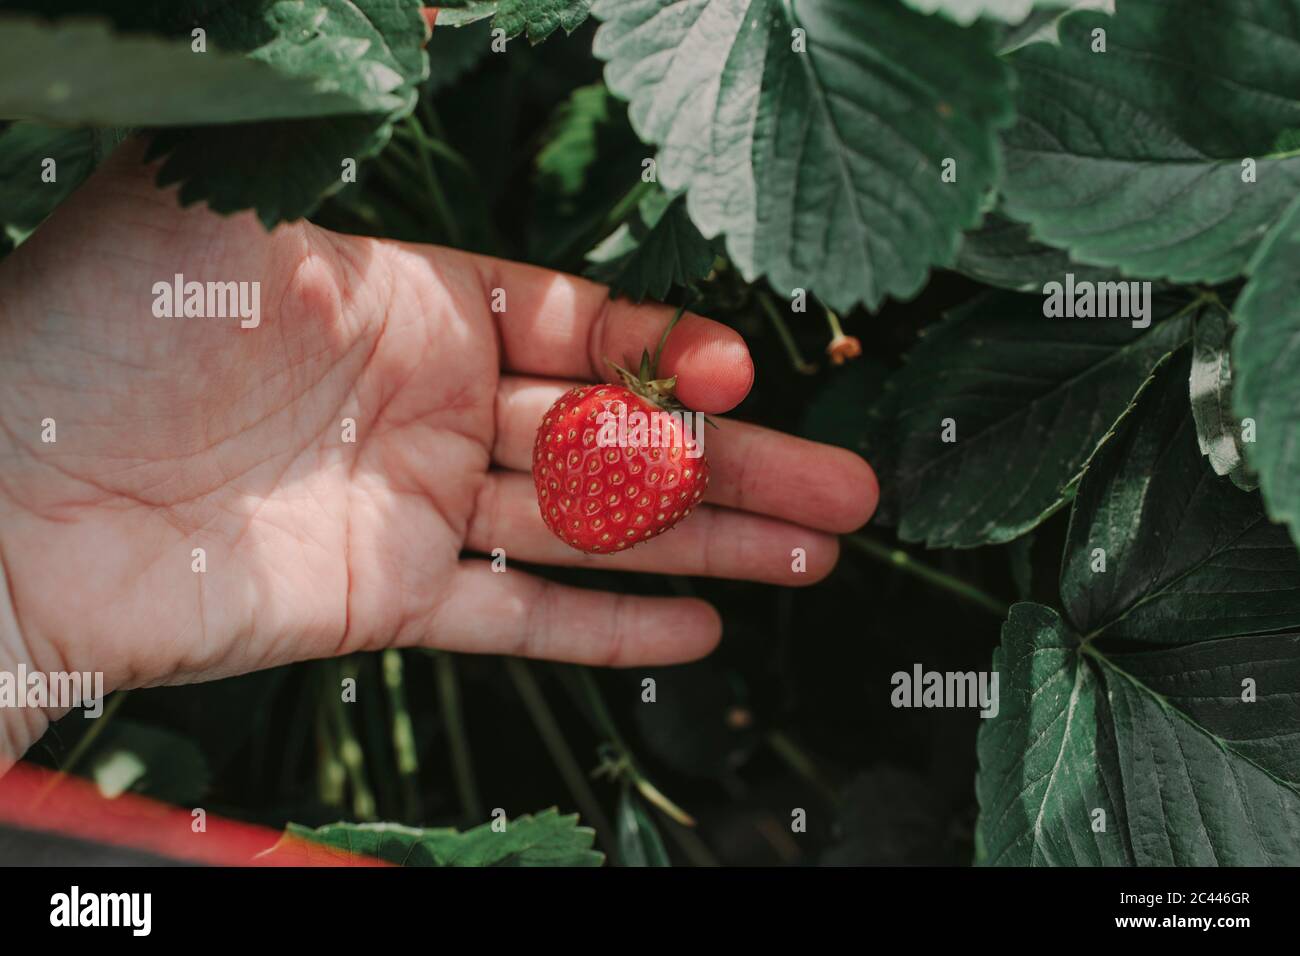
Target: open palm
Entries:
(180, 434)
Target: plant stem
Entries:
(436, 146)
(783, 332)
(431, 183)
(599, 712)
(350, 752)
(663, 339)
(549, 730)
(331, 778)
(403, 733)
(454, 720)
(625, 767)
(905, 562)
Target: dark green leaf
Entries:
(639, 843)
(1205, 683)
(1030, 396)
(1194, 798)
(543, 839)
(1046, 761)
(1133, 158)
(538, 18)
(822, 168)
(1266, 366)
(1187, 770)
(26, 198)
(1002, 253)
(580, 199)
(453, 53)
(82, 72)
(284, 169)
(968, 11)
(656, 249)
(1188, 557)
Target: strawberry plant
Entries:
(1038, 261)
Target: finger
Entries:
(518, 614)
(750, 468)
(562, 326)
(711, 542)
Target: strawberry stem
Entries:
(663, 340)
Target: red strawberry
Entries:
(601, 497)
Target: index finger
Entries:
(563, 326)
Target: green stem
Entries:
(623, 208)
(350, 752)
(436, 146)
(553, 739)
(331, 777)
(403, 733)
(454, 720)
(663, 339)
(436, 196)
(625, 766)
(905, 562)
(599, 712)
(783, 332)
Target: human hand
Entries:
(175, 434)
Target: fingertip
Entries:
(862, 492)
(712, 363)
(821, 558)
(690, 631)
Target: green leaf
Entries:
(1030, 398)
(655, 250)
(453, 53)
(1266, 366)
(968, 11)
(1046, 763)
(82, 72)
(543, 839)
(26, 198)
(1193, 797)
(580, 199)
(1188, 557)
(821, 167)
(639, 843)
(1001, 253)
(1186, 771)
(573, 139)
(284, 169)
(1133, 158)
(1204, 682)
(1218, 434)
(538, 18)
